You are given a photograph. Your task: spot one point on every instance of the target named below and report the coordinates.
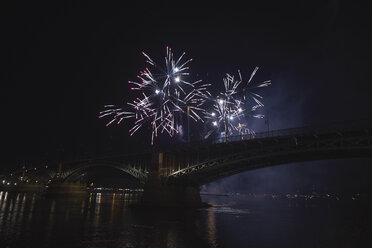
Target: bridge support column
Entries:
(171, 196)
(159, 193)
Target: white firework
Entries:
(165, 94)
(230, 110)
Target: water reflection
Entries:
(30, 220)
(105, 220)
(211, 226)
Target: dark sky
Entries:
(64, 61)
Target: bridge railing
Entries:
(313, 129)
(329, 127)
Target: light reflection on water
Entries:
(105, 220)
(30, 220)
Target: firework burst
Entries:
(230, 111)
(165, 94)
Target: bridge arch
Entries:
(238, 157)
(75, 172)
(39, 175)
(237, 166)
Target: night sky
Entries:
(63, 61)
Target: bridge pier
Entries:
(160, 193)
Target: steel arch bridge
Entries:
(203, 162)
(75, 172)
(71, 171)
(240, 154)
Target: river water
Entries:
(105, 220)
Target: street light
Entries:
(267, 123)
(188, 124)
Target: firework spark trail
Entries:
(165, 95)
(229, 110)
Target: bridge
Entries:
(176, 173)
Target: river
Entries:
(106, 220)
